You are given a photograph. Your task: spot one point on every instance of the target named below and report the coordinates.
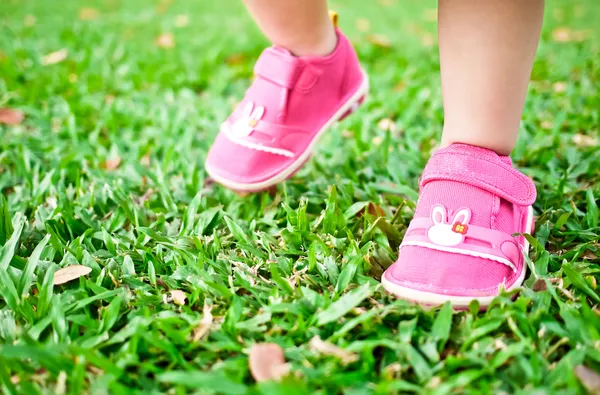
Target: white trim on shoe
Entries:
(434, 299)
(361, 92)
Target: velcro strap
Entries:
(482, 170)
(279, 67)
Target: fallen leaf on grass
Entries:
(583, 140)
(9, 116)
(323, 347)
(55, 57)
(61, 383)
(178, 297)
(589, 378)
(561, 34)
(88, 14)
(111, 164)
(235, 59)
(363, 25)
(165, 40)
(182, 20)
(565, 35)
(145, 160)
(267, 362)
(540, 285)
(70, 273)
(205, 324)
(380, 40)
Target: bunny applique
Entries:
(245, 124)
(448, 234)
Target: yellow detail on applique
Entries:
(252, 122)
(460, 228)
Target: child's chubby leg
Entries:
(309, 79)
(301, 26)
(460, 244)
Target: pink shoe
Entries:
(292, 102)
(460, 244)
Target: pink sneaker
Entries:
(292, 102)
(460, 244)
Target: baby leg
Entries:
(301, 26)
(486, 53)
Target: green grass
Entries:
(280, 268)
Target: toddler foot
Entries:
(460, 244)
(292, 102)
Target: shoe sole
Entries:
(458, 302)
(345, 110)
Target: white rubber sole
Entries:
(433, 299)
(354, 100)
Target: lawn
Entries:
(121, 101)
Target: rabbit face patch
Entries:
(244, 126)
(448, 234)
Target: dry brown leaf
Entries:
(29, 20)
(10, 116)
(205, 324)
(589, 378)
(145, 160)
(165, 40)
(61, 383)
(235, 59)
(583, 140)
(112, 163)
(363, 25)
(323, 347)
(55, 57)
(380, 40)
(375, 210)
(88, 14)
(182, 20)
(540, 285)
(546, 125)
(267, 362)
(178, 297)
(70, 273)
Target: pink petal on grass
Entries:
(267, 362)
(9, 116)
